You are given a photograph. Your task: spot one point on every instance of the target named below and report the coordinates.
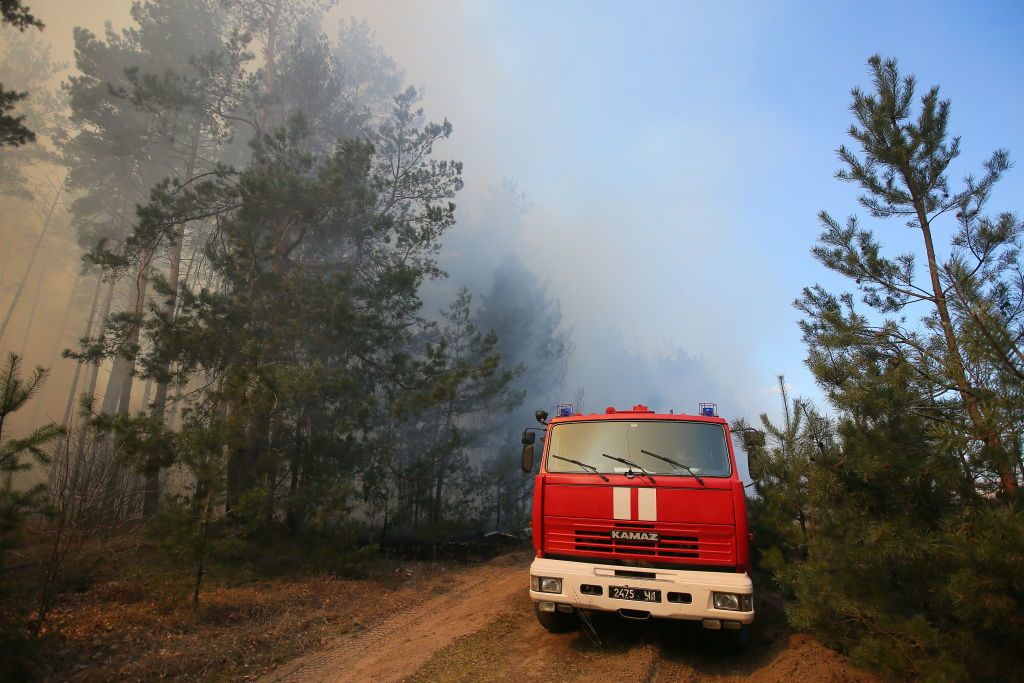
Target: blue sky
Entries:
(675, 155)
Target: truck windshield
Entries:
(701, 446)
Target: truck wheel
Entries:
(737, 641)
(554, 622)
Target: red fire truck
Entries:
(639, 513)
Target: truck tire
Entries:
(555, 622)
(737, 641)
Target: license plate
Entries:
(641, 594)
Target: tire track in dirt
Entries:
(483, 628)
(514, 647)
(398, 646)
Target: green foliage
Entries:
(911, 533)
(287, 216)
(781, 458)
(530, 338)
(26, 58)
(17, 504)
(12, 129)
(13, 132)
(311, 342)
(18, 15)
(960, 328)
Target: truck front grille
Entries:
(590, 540)
(677, 543)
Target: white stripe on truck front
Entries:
(621, 503)
(647, 503)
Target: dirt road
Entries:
(483, 628)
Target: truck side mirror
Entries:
(754, 464)
(752, 441)
(754, 444)
(528, 437)
(527, 464)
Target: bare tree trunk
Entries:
(146, 390)
(32, 258)
(95, 371)
(78, 365)
(171, 418)
(302, 462)
(151, 497)
(122, 386)
(204, 529)
(32, 309)
(58, 337)
(141, 284)
(112, 393)
(102, 320)
(291, 517)
(109, 395)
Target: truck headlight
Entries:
(545, 584)
(736, 602)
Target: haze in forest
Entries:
(670, 160)
(304, 269)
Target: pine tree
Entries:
(17, 503)
(531, 340)
(902, 168)
(912, 553)
(27, 65)
(780, 460)
(13, 131)
(298, 235)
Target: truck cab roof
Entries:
(637, 412)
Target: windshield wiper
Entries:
(581, 464)
(631, 464)
(676, 463)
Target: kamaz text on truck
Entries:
(639, 513)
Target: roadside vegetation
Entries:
(267, 360)
(277, 391)
(891, 517)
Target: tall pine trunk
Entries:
(151, 497)
(58, 337)
(112, 392)
(169, 419)
(31, 258)
(94, 373)
(123, 390)
(138, 310)
(78, 365)
(33, 307)
(984, 430)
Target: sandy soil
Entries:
(131, 629)
(482, 627)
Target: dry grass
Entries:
(134, 619)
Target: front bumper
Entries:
(699, 585)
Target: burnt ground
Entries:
(409, 619)
(483, 628)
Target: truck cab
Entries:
(639, 513)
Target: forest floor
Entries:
(483, 628)
(415, 620)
